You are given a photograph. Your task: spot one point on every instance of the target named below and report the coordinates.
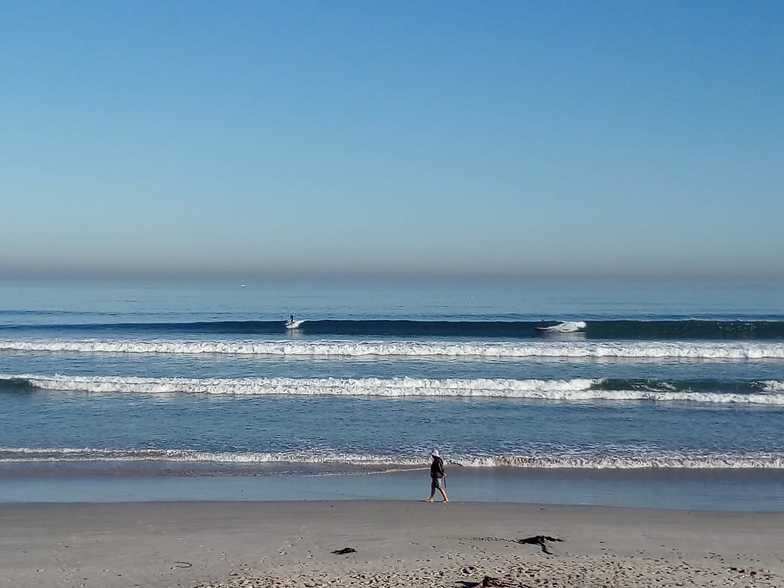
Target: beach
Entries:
(233, 544)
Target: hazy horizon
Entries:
(405, 141)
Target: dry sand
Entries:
(397, 544)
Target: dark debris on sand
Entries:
(540, 540)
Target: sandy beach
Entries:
(262, 544)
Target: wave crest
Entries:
(768, 392)
(576, 349)
(652, 329)
(539, 461)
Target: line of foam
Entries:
(578, 349)
(576, 390)
(391, 387)
(554, 461)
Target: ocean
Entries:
(671, 396)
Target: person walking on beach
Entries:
(437, 477)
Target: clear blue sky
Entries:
(247, 139)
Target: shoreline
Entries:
(266, 544)
(730, 490)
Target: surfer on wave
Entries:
(292, 324)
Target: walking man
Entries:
(437, 477)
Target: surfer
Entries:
(291, 319)
(437, 477)
(562, 327)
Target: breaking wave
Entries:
(765, 392)
(544, 461)
(577, 349)
(683, 328)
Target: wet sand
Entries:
(243, 544)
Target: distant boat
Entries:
(563, 327)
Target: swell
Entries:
(644, 460)
(597, 329)
(762, 392)
(576, 349)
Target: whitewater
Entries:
(644, 460)
(501, 349)
(574, 390)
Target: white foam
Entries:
(587, 349)
(565, 327)
(574, 390)
(392, 387)
(553, 461)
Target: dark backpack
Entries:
(437, 468)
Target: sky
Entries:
(352, 138)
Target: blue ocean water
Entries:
(204, 381)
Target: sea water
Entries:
(672, 395)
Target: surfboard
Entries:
(563, 327)
(293, 324)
